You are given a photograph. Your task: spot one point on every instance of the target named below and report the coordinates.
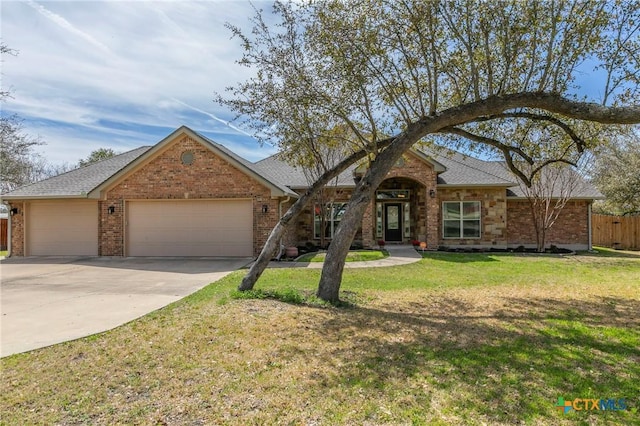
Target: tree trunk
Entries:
(265, 256)
(258, 267)
(331, 277)
(541, 240)
(329, 286)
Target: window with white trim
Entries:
(333, 213)
(461, 219)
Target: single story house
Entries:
(189, 196)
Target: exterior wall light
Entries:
(111, 209)
(432, 193)
(14, 211)
(265, 208)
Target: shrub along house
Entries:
(189, 196)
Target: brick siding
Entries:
(164, 177)
(571, 228)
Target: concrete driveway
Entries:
(52, 300)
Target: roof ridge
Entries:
(486, 172)
(146, 148)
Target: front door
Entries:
(393, 222)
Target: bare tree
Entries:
(19, 162)
(547, 194)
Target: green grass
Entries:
(453, 339)
(352, 256)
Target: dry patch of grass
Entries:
(428, 353)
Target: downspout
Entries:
(590, 229)
(286, 200)
(280, 204)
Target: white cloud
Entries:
(87, 70)
(63, 23)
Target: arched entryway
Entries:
(400, 211)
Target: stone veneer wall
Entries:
(17, 229)
(413, 168)
(570, 230)
(165, 177)
(493, 220)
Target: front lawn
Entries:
(453, 339)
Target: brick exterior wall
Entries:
(570, 230)
(493, 220)
(165, 177)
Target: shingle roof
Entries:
(460, 170)
(582, 188)
(468, 171)
(294, 177)
(78, 182)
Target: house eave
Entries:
(475, 185)
(522, 198)
(43, 197)
(437, 166)
(304, 188)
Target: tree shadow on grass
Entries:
(462, 257)
(504, 365)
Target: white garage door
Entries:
(62, 228)
(190, 228)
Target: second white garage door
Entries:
(190, 228)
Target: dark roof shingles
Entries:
(79, 182)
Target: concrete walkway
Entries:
(398, 255)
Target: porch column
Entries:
(433, 217)
(367, 227)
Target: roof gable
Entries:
(236, 161)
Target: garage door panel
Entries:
(62, 228)
(190, 228)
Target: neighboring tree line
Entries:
(20, 163)
(616, 173)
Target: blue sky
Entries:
(122, 74)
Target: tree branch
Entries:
(580, 143)
(507, 150)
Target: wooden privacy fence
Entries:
(3, 233)
(619, 232)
